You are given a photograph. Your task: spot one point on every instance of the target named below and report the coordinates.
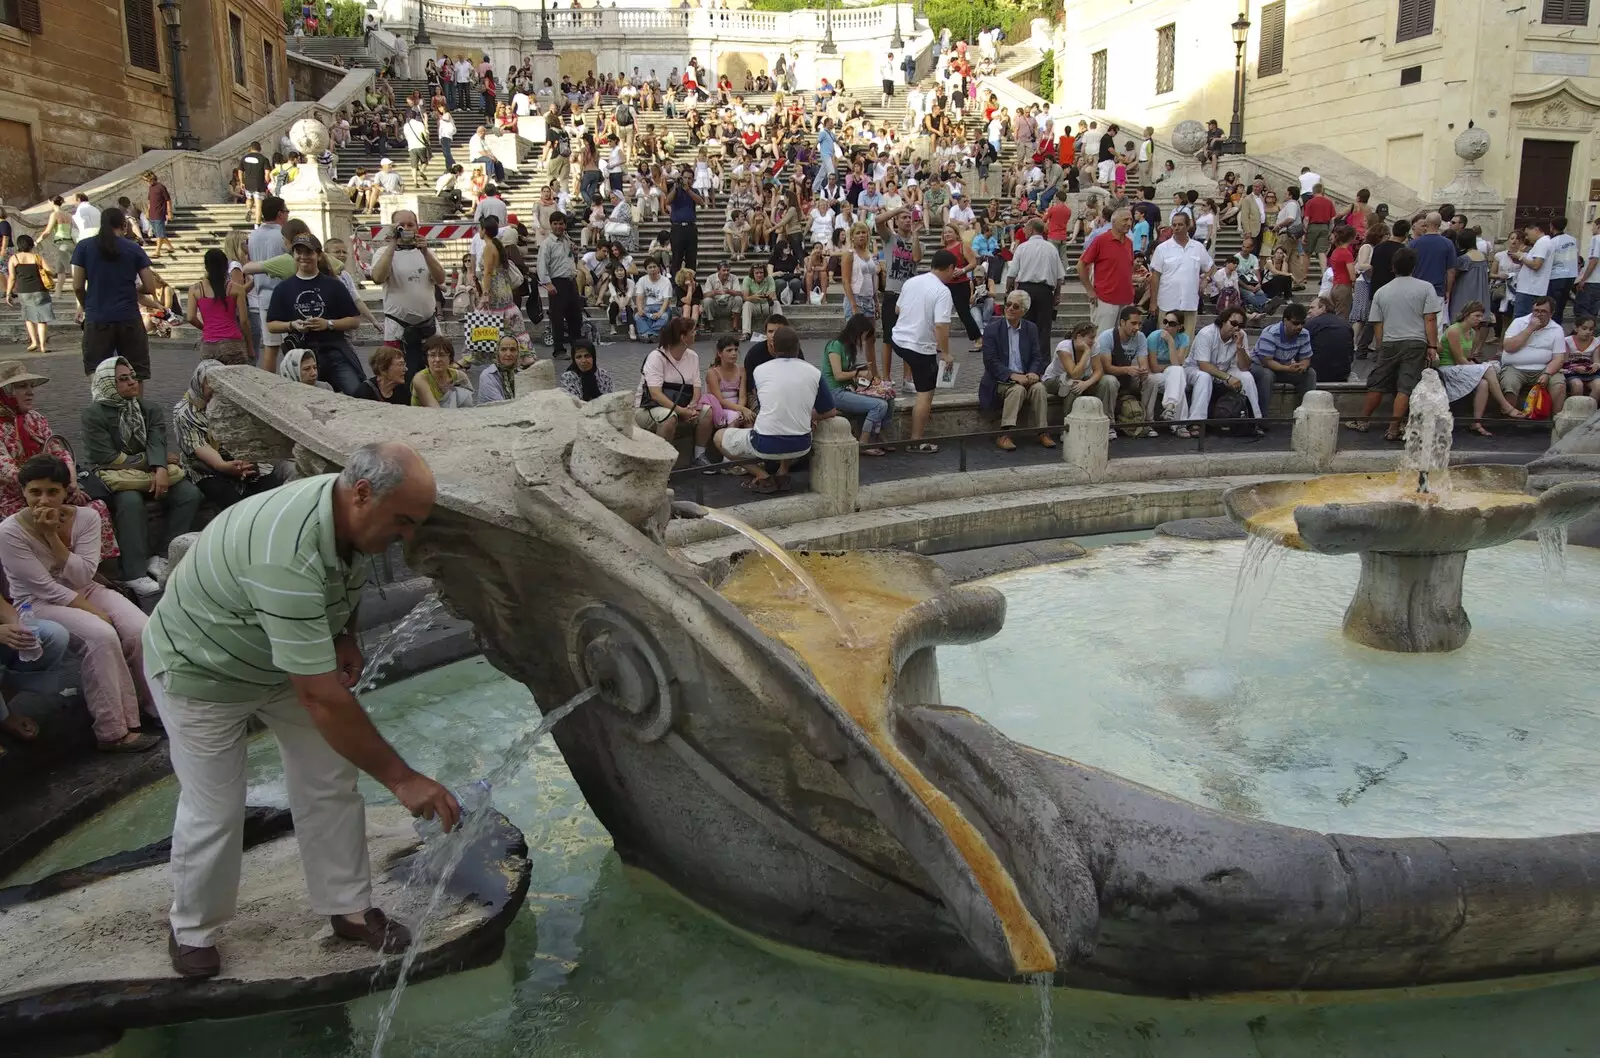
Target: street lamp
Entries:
(545, 43)
(422, 27)
(1234, 144)
(827, 47)
(897, 41)
(182, 138)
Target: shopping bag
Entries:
(480, 331)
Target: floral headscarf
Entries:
(33, 432)
(130, 416)
(196, 393)
(289, 363)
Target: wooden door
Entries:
(1542, 183)
(19, 176)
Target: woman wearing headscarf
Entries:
(498, 381)
(585, 379)
(125, 442)
(300, 365)
(220, 478)
(25, 433)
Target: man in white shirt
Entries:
(1175, 270)
(723, 298)
(886, 74)
(790, 397)
(921, 336)
(1533, 278)
(408, 273)
(85, 219)
(521, 104)
(388, 181)
(1308, 182)
(1532, 353)
(1587, 287)
(1564, 264)
(463, 82)
(1036, 270)
(416, 133)
(1220, 354)
(960, 213)
(478, 153)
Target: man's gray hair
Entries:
(1021, 297)
(377, 465)
(1035, 226)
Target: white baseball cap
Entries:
(385, 162)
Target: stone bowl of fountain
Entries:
(1413, 528)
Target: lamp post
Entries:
(422, 27)
(827, 48)
(545, 43)
(182, 138)
(1234, 144)
(897, 41)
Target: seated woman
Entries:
(442, 384)
(726, 397)
(126, 444)
(388, 381)
(847, 369)
(220, 478)
(300, 365)
(1461, 373)
(1579, 366)
(498, 381)
(51, 550)
(584, 379)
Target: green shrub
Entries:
(349, 16)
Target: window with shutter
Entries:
(1565, 13)
(1166, 46)
(1269, 60)
(236, 43)
(24, 14)
(271, 62)
(1416, 20)
(144, 48)
(1097, 81)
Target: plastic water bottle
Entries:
(31, 624)
(473, 797)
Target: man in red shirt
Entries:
(1318, 213)
(1106, 271)
(1056, 218)
(158, 212)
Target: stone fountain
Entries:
(1413, 529)
(824, 796)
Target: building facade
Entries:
(85, 85)
(1389, 84)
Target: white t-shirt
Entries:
(961, 213)
(1563, 257)
(492, 206)
(1209, 347)
(786, 389)
(1055, 370)
(85, 220)
(1180, 268)
(657, 291)
(925, 302)
(1594, 250)
(1535, 281)
(416, 131)
(447, 127)
(1544, 345)
(1288, 211)
(1309, 182)
(522, 104)
(407, 293)
(390, 181)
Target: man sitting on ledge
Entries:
(1283, 355)
(1013, 370)
(1532, 353)
(791, 397)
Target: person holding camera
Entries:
(408, 272)
(681, 201)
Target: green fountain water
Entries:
(605, 962)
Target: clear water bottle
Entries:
(473, 797)
(31, 624)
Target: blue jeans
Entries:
(876, 409)
(38, 675)
(340, 367)
(449, 160)
(1522, 304)
(1560, 292)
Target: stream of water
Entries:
(1041, 985)
(442, 860)
(1553, 554)
(1262, 557)
(847, 631)
(405, 632)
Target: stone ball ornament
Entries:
(1188, 137)
(1472, 144)
(309, 136)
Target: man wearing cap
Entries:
(314, 310)
(256, 623)
(388, 181)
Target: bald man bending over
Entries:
(256, 622)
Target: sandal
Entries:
(1356, 425)
(873, 452)
(1478, 428)
(22, 728)
(1395, 438)
(765, 486)
(923, 448)
(782, 482)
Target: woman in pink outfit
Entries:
(50, 550)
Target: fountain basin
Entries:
(86, 947)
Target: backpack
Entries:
(624, 115)
(564, 146)
(1231, 405)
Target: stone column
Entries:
(1574, 413)
(1468, 191)
(835, 465)
(311, 196)
(1316, 430)
(1087, 445)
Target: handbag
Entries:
(47, 278)
(680, 392)
(480, 331)
(1536, 405)
(129, 479)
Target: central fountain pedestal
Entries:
(1409, 603)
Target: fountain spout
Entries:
(688, 509)
(1429, 427)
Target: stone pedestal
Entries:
(1574, 413)
(1469, 192)
(835, 465)
(1087, 445)
(543, 64)
(1409, 603)
(311, 196)
(1316, 429)
(1188, 137)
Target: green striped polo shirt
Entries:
(258, 598)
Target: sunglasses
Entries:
(1170, 322)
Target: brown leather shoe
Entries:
(1047, 441)
(375, 931)
(193, 962)
(1005, 444)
